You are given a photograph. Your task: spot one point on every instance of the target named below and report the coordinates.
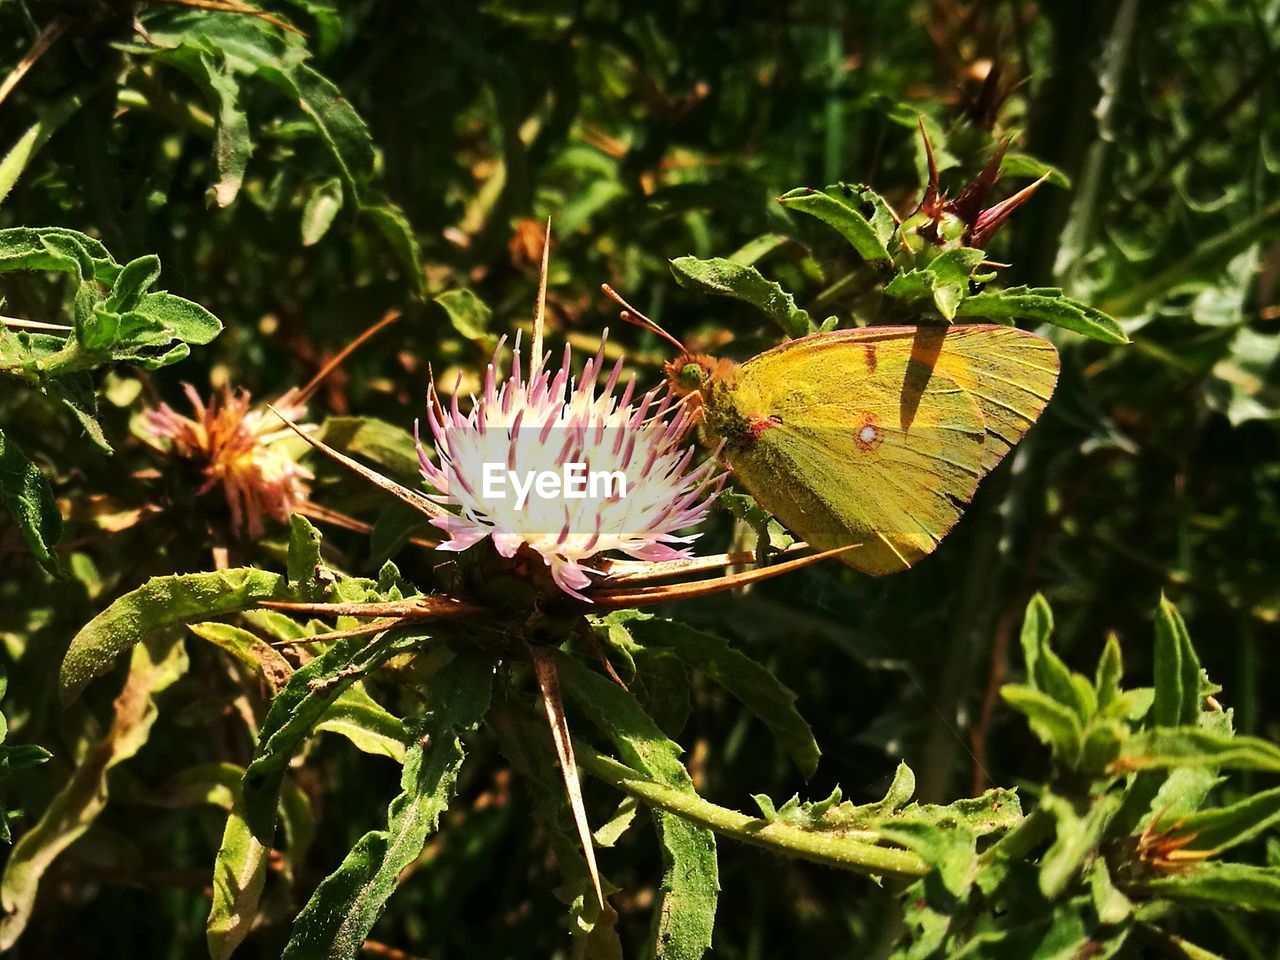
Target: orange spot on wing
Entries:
(869, 352)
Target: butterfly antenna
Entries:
(539, 317)
(631, 315)
(304, 394)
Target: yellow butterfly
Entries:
(876, 436)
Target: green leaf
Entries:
(770, 535)
(839, 207)
(132, 282)
(159, 602)
(946, 280)
(76, 392)
(338, 917)
(19, 157)
(685, 913)
(249, 46)
(725, 278)
(1056, 725)
(1221, 828)
(1045, 670)
(1079, 832)
(239, 875)
(469, 315)
(369, 726)
(951, 851)
(1204, 259)
(251, 651)
(1017, 164)
(388, 446)
(1110, 905)
(154, 666)
(1177, 671)
(1237, 886)
(758, 689)
(320, 211)
(305, 572)
(206, 64)
(299, 707)
(1166, 748)
(179, 319)
(1045, 305)
(391, 221)
(1106, 684)
(26, 494)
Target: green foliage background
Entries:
(648, 132)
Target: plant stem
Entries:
(831, 850)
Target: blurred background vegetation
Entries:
(646, 132)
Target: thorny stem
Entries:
(830, 850)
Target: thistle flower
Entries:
(547, 422)
(237, 447)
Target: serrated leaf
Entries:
(338, 917)
(154, 666)
(725, 278)
(1043, 304)
(27, 496)
(685, 914)
(839, 207)
(159, 602)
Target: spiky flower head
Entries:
(945, 222)
(527, 427)
(237, 447)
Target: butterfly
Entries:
(876, 436)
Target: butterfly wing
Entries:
(879, 436)
(1010, 373)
